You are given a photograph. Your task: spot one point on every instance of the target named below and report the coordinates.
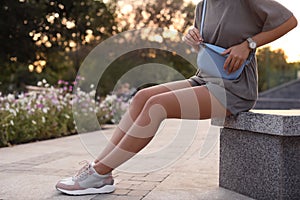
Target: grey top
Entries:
(231, 22)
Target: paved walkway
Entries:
(30, 171)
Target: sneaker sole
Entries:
(103, 190)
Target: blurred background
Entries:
(44, 42)
(50, 38)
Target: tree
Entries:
(34, 30)
(50, 38)
(173, 15)
(273, 68)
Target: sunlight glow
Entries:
(289, 43)
(127, 9)
(156, 38)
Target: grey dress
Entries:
(228, 23)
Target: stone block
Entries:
(263, 163)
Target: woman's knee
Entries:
(141, 97)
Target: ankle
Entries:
(102, 169)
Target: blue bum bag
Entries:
(210, 60)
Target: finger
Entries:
(227, 51)
(194, 36)
(189, 41)
(197, 34)
(237, 65)
(227, 62)
(186, 38)
(194, 32)
(232, 65)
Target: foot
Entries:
(86, 181)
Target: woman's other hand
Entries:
(193, 38)
(238, 54)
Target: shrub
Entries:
(47, 112)
(36, 115)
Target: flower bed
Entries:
(47, 113)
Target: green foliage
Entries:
(50, 38)
(173, 14)
(61, 33)
(48, 112)
(17, 20)
(41, 30)
(273, 69)
(34, 117)
(137, 58)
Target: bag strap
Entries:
(203, 16)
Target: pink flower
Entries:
(40, 106)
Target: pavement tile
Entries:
(26, 186)
(137, 185)
(104, 197)
(172, 195)
(124, 185)
(70, 162)
(212, 194)
(131, 182)
(150, 177)
(60, 196)
(122, 176)
(145, 186)
(121, 191)
(126, 198)
(139, 193)
(31, 171)
(189, 181)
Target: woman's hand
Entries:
(193, 38)
(238, 54)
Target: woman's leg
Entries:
(187, 103)
(135, 108)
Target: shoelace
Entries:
(83, 171)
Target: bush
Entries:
(47, 113)
(113, 107)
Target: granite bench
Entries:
(260, 154)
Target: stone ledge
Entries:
(273, 122)
(261, 166)
(259, 154)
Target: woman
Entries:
(240, 27)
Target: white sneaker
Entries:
(86, 181)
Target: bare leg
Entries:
(135, 108)
(188, 103)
